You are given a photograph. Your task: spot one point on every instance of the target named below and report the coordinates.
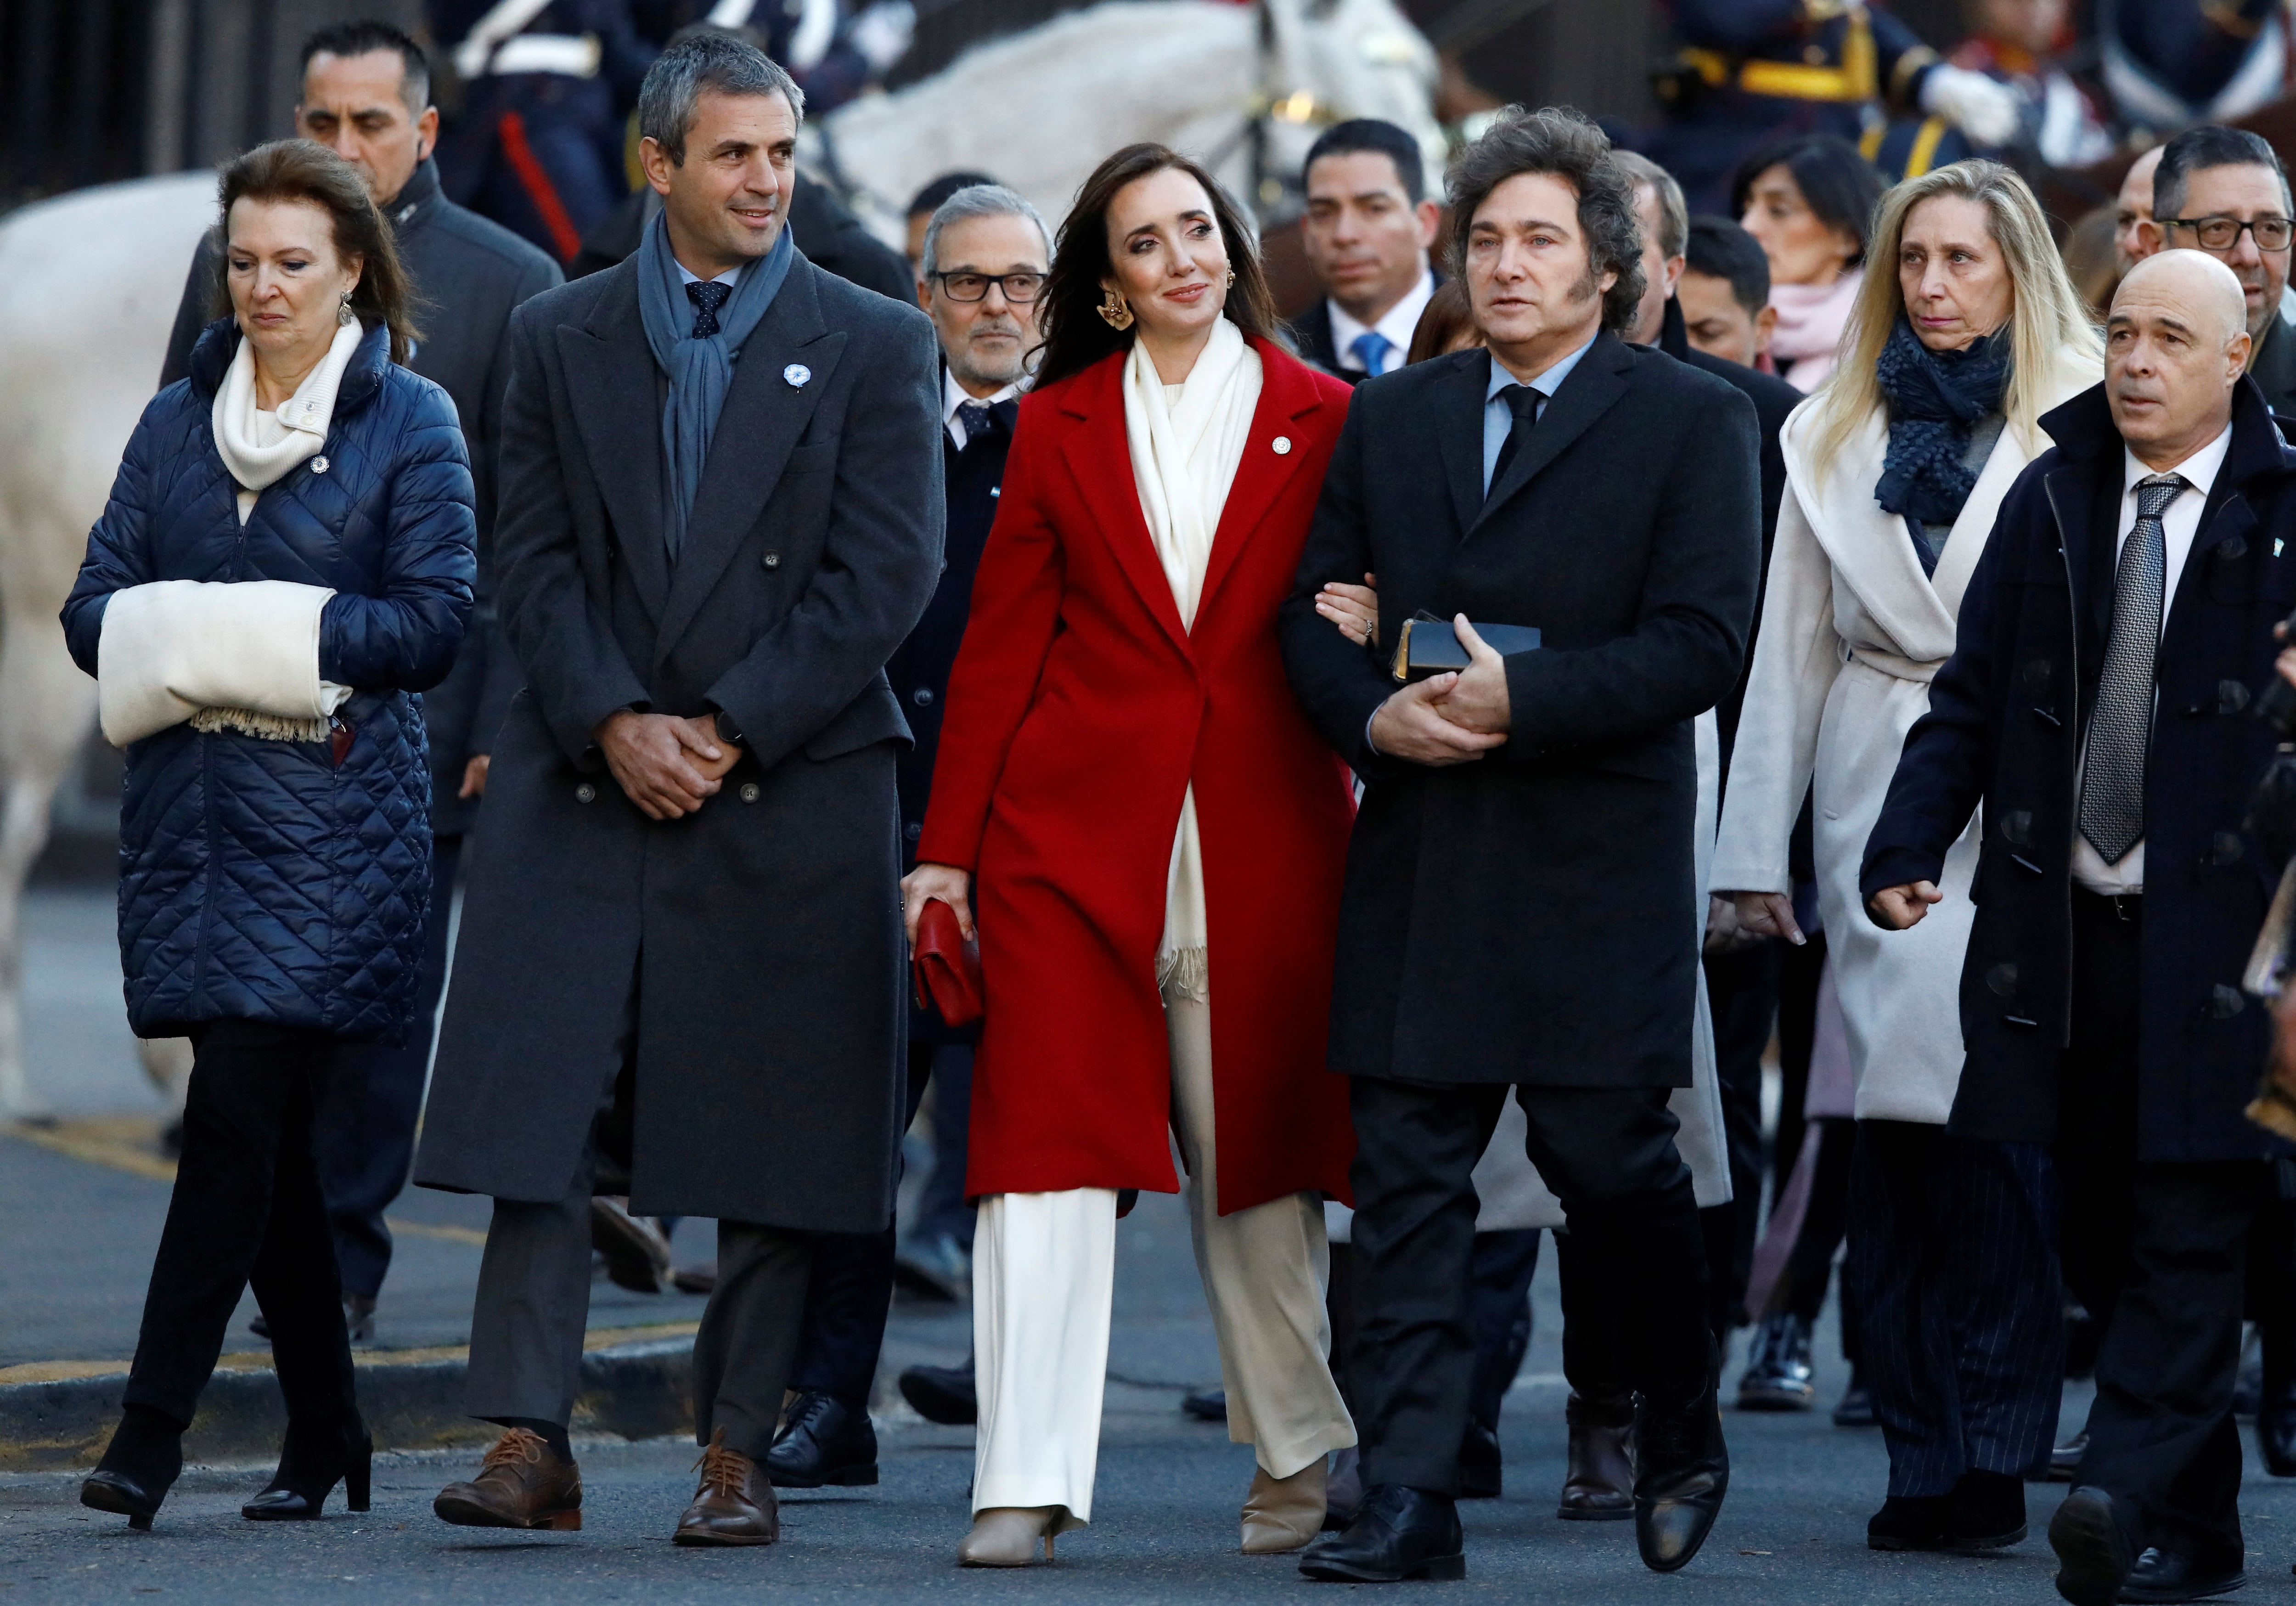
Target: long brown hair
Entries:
(1076, 336)
(301, 170)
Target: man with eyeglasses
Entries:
(980, 270)
(2223, 191)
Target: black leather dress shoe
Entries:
(1683, 1471)
(2163, 1575)
(2092, 1556)
(1398, 1533)
(1482, 1467)
(1908, 1522)
(1985, 1512)
(826, 1442)
(2276, 1428)
(942, 1394)
(1206, 1405)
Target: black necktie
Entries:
(977, 419)
(2121, 726)
(708, 295)
(1522, 401)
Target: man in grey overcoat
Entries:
(721, 512)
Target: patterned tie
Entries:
(1371, 349)
(1522, 401)
(708, 295)
(2120, 729)
(977, 419)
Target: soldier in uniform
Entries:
(1750, 70)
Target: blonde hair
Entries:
(2048, 322)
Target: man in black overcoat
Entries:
(2109, 643)
(686, 880)
(987, 252)
(1520, 890)
(366, 95)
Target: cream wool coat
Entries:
(1852, 632)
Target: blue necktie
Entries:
(708, 295)
(977, 420)
(1371, 349)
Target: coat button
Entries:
(922, 697)
(319, 466)
(2003, 980)
(914, 830)
(749, 791)
(772, 559)
(2016, 825)
(1283, 445)
(2226, 1002)
(586, 793)
(2232, 696)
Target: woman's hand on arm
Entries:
(1354, 609)
(1768, 914)
(947, 882)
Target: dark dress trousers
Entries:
(1526, 919)
(2116, 1030)
(852, 1286)
(470, 274)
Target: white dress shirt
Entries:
(954, 396)
(1396, 326)
(2179, 525)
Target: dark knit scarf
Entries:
(1936, 399)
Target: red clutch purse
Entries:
(945, 968)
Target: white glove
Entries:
(1988, 112)
(883, 33)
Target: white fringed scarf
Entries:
(1184, 454)
(259, 445)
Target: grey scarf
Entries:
(700, 371)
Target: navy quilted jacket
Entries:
(267, 880)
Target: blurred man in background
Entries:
(2133, 208)
(1369, 227)
(2223, 191)
(927, 202)
(2012, 42)
(1724, 293)
(366, 95)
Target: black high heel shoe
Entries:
(310, 1468)
(140, 1464)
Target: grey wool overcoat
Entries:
(755, 945)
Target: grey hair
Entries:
(1673, 211)
(977, 200)
(718, 62)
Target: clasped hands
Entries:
(667, 764)
(1450, 718)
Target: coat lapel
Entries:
(1459, 432)
(611, 390)
(1099, 456)
(1286, 393)
(763, 416)
(1586, 394)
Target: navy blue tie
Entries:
(977, 420)
(708, 295)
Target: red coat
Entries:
(1079, 712)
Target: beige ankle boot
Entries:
(1006, 1536)
(1283, 1513)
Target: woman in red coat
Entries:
(1130, 793)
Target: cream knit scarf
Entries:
(1185, 455)
(259, 445)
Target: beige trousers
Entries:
(1044, 1269)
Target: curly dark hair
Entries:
(1074, 335)
(300, 169)
(1565, 145)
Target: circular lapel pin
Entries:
(797, 374)
(319, 465)
(1283, 445)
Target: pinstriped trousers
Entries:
(1963, 1306)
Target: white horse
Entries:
(88, 287)
(1244, 88)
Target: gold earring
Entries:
(1231, 279)
(1113, 311)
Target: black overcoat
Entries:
(2003, 726)
(1529, 917)
(764, 931)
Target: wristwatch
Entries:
(728, 731)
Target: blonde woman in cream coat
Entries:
(1965, 332)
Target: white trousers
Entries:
(1043, 1275)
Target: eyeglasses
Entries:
(1019, 289)
(2222, 234)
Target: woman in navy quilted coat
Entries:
(286, 559)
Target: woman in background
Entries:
(1809, 200)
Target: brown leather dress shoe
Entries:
(1599, 1485)
(520, 1483)
(735, 1504)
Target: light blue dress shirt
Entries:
(1498, 418)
